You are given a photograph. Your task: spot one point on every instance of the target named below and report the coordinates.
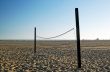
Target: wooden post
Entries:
(35, 40)
(78, 38)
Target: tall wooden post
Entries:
(78, 38)
(35, 40)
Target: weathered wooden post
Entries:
(78, 38)
(34, 40)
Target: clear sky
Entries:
(52, 17)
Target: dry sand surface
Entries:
(54, 56)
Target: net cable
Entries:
(56, 35)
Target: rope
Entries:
(57, 35)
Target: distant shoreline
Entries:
(48, 40)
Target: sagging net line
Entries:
(56, 35)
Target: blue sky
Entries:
(52, 17)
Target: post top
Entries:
(76, 8)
